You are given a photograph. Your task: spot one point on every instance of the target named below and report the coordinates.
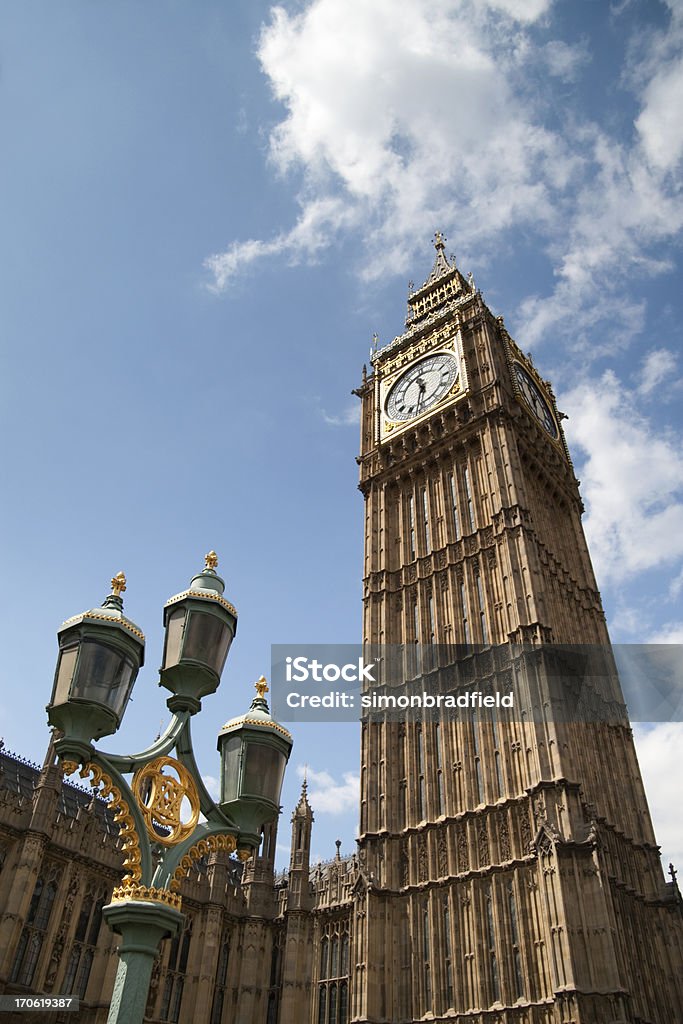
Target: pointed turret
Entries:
(444, 284)
(300, 856)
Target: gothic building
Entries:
(506, 870)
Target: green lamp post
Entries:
(158, 811)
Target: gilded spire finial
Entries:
(118, 584)
(261, 687)
(211, 560)
(439, 240)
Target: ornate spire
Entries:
(441, 264)
(303, 805)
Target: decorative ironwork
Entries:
(130, 842)
(160, 798)
(210, 844)
(147, 893)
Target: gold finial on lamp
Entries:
(118, 584)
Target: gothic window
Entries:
(491, 946)
(33, 934)
(420, 771)
(514, 930)
(221, 979)
(426, 958)
(343, 1001)
(84, 945)
(465, 617)
(425, 521)
(477, 760)
(175, 971)
(439, 768)
(333, 1000)
(454, 505)
(482, 610)
(448, 952)
(497, 754)
(83, 976)
(271, 1016)
(411, 528)
(430, 659)
(468, 498)
(71, 968)
(403, 804)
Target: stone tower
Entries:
(511, 871)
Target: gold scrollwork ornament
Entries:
(162, 798)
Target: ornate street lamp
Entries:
(100, 653)
(158, 813)
(254, 751)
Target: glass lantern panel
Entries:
(231, 750)
(65, 672)
(174, 637)
(265, 768)
(104, 675)
(207, 639)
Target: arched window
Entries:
(343, 1003)
(332, 1009)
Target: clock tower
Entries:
(510, 871)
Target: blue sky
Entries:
(208, 211)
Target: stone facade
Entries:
(507, 871)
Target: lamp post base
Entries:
(141, 926)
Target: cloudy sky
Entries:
(208, 211)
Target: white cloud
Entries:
(564, 61)
(659, 753)
(318, 222)
(405, 122)
(632, 480)
(213, 785)
(659, 123)
(349, 417)
(328, 796)
(658, 366)
(676, 586)
(392, 127)
(669, 633)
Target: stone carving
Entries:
(463, 851)
(443, 856)
(483, 846)
(504, 837)
(422, 857)
(525, 830)
(404, 865)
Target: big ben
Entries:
(510, 866)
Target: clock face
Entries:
(422, 386)
(533, 397)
